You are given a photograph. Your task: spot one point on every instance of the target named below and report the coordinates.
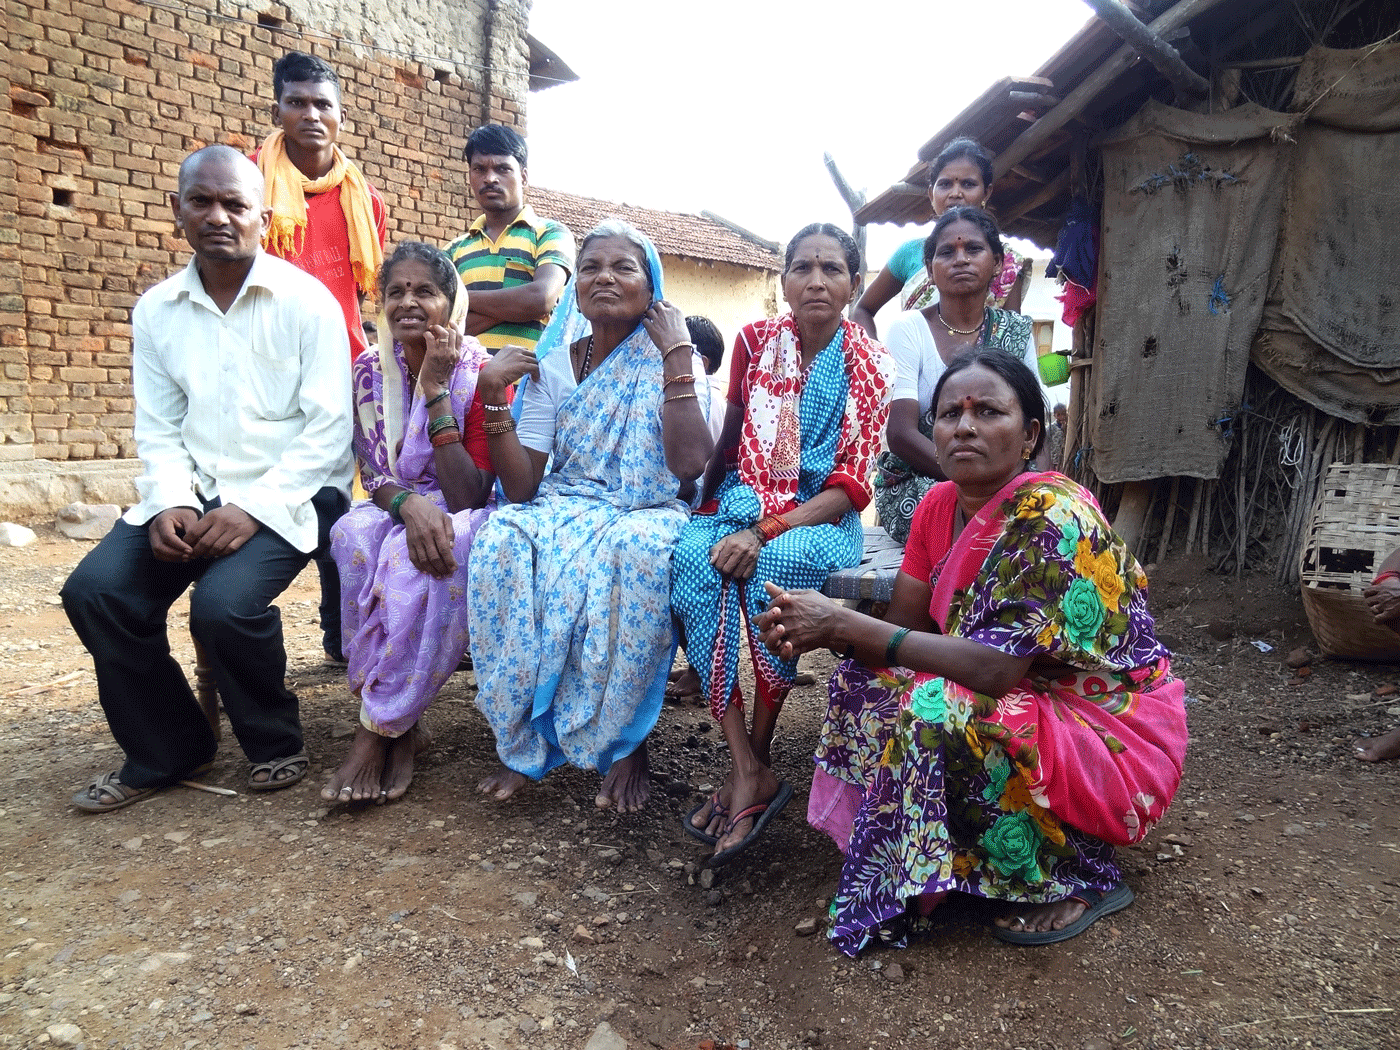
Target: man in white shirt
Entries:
(240, 365)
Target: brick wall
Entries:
(105, 98)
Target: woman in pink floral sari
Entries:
(1014, 715)
(402, 554)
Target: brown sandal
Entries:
(295, 766)
(107, 793)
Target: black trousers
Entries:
(330, 603)
(117, 600)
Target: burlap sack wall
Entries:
(1190, 220)
(1331, 326)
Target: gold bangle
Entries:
(675, 346)
(687, 378)
(678, 397)
(501, 426)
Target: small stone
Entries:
(85, 521)
(528, 1026)
(532, 942)
(1294, 831)
(1256, 891)
(714, 898)
(1098, 1044)
(527, 898)
(707, 878)
(1290, 920)
(129, 897)
(805, 927)
(604, 1037)
(602, 920)
(352, 962)
(64, 1034)
(1221, 630)
(12, 535)
(895, 972)
(1303, 672)
(176, 836)
(1299, 657)
(132, 844)
(245, 1010)
(1177, 838)
(201, 1016)
(583, 933)
(1389, 689)
(341, 730)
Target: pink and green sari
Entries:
(928, 787)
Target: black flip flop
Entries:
(716, 809)
(1096, 906)
(764, 811)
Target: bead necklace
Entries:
(587, 361)
(938, 309)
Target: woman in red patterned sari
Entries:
(808, 398)
(1014, 716)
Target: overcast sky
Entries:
(728, 105)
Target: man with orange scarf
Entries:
(326, 219)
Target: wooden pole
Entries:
(1164, 58)
(1169, 520)
(1119, 63)
(1132, 514)
(1206, 516)
(1198, 488)
(855, 200)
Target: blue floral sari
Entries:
(570, 592)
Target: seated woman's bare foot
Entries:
(1041, 918)
(1378, 748)
(357, 779)
(746, 789)
(682, 684)
(627, 786)
(503, 783)
(398, 771)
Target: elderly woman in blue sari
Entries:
(574, 575)
(808, 397)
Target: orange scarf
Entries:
(286, 189)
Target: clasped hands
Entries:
(181, 534)
(796, 622)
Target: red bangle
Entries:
(1389, 574)
(449, 436)
(771, 526)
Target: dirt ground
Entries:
(1266, 914)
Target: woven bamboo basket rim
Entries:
(1357, 516)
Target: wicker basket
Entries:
(1354, 528)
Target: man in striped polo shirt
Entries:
(514, 263)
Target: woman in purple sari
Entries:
(402, 554)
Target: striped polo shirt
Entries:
(526, 244)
